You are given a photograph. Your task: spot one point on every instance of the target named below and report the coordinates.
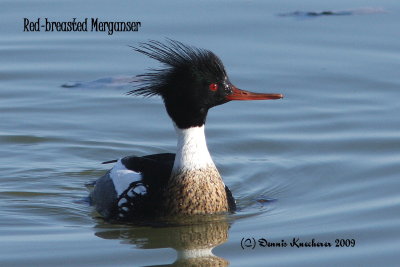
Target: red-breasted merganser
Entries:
(186, 183)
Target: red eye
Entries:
(213, 87)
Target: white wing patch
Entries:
(123, 177)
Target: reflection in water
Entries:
(193, 238)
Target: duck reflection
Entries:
(193, 238)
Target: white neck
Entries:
(185, 254)
(192, 152)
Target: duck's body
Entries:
(188, 182)
(141, 187)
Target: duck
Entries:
(190, 82)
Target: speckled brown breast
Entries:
(196, 192)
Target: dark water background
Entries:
(327, 156)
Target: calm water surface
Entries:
(321, 164)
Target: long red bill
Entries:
(239, 94)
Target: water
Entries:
(321, 164)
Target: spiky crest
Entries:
(176, 57)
